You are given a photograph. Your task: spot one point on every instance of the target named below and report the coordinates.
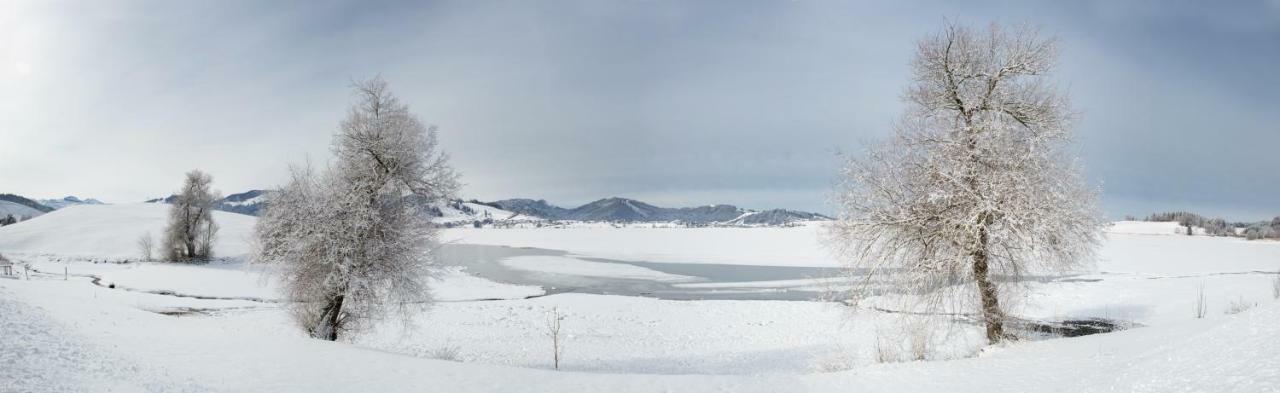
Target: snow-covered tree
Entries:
(975, 188)
(191, 230)
(145, 247)
(352, 243)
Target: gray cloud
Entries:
(671, 101)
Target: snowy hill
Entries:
(69, 201)
(1152, 228)
(530, 207)
(617, 209)
(248, 202)
(457, 212)
(21, 207)
(777, 217)
(112, 231)
(17, 210)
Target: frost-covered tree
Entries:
(191, 230)
(145, 247)
(974, 189)
(351, 242)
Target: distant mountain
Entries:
(629, 210)
(248, 203)
(20, 208)
(458, 212)
(20, 200)
(69, 201)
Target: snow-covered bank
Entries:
(258, 350)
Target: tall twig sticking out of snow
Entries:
(552, 323)
(1275, 286)
(1201, 305)
(975, 188)
(354, 242)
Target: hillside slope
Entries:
(112, 231)
(9, 208)
(21, 207)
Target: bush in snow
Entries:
(449, 352)
(975, 183)
(351, 246)
(191, 230)
(1238, 306)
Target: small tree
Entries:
(552, 324)
(353, 242)
(191, 230)
(145, 246)
(974, 189)
(1201, 305)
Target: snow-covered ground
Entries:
(220, 327)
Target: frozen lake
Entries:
(705, 281)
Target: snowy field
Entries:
(220, 327)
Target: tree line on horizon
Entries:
(1265, 229)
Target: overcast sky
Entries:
(673, 102)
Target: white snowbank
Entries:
(453, 284)
(1185, 255)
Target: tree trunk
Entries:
(328, 329)
(991, 314)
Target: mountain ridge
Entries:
(618, 209)
(611, 209)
